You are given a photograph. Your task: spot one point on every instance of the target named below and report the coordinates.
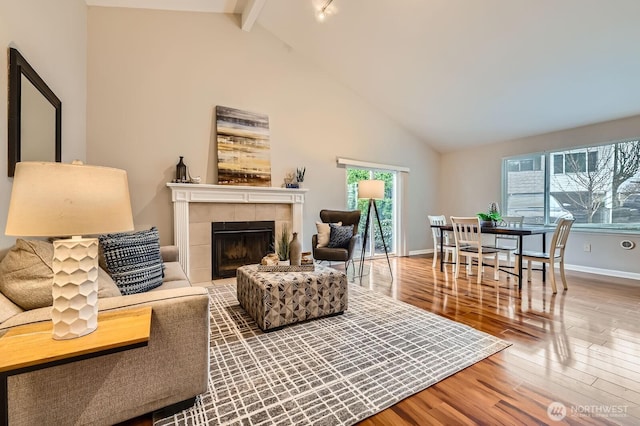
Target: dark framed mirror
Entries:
(35, 116)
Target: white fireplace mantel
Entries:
(182, 194)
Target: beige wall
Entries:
(155, 77)
(51, 35)
(472, 178)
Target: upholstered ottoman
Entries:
(276, 299)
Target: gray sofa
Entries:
(173, 368)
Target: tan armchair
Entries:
(337, 254)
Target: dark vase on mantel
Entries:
(181, 171)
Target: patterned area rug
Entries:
(329, 371)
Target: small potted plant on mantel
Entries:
(300, 175)
(492, 217)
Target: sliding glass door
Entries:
(386, 208)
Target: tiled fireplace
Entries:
(234, 244)
(197, 206)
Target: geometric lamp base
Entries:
(75, 287)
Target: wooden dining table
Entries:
(519, 232)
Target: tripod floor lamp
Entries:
(372, 190)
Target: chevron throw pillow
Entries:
(133, 260)
(340, 236)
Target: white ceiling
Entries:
(458, 73)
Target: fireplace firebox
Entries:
(234, 244)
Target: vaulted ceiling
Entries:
(458, 73)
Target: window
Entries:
(385, 207)
(525, 165)
(525, 190)
(593, 161)
(558, 164)
(599, 186)
(575, 162)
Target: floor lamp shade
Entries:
(56, 199)
(371, 189)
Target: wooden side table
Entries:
(30, 347)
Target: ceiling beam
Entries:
(250, 13)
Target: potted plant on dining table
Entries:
(492, 217)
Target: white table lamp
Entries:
(59, 200)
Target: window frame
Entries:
(579, 162)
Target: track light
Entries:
(324, 11)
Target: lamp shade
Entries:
(371, 189)
(56, 199)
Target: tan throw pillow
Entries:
(106, 286)
(26, 275)
(324, 232)
(8, 308)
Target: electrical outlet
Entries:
(586, 247)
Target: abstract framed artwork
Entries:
(243, 147)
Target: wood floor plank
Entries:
(611, 356)
(536, 359)
(618, 388)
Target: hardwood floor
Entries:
(580, 347)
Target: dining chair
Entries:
(468, 236)
(553, 256)
(441, 237)
(507, 243)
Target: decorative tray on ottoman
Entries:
(286, 268)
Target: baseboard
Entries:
(421, 251)
(600, 271)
